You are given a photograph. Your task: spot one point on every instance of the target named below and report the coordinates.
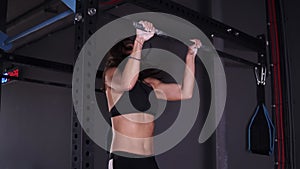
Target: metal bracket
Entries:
(261, 75)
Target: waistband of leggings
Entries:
(125, 154)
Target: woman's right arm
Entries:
(123, 81)
(173, 91)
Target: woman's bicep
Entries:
(168, 91)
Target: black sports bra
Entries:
(134, 100)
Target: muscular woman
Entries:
(132, 141)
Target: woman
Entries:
(132, 143)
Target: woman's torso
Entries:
(132, 131)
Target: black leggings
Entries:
(125, 160)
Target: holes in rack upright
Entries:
(87, 141)
(75, 159)
(87, 165)
(75, 147)
(87, 153)
(91, 2)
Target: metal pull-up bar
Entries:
(6, 42)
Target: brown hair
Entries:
(118, 53)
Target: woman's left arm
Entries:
(172, 91)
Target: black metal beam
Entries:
(43, 82)
(66, 68)
(45, 64)
(221, 54)
(30, 12)
(30, 61)
(107, 7)
(206, 24)
(37, 81)
(236, 59)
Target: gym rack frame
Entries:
(82, 147)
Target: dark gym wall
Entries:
(292, 15)
(39, 118)
(249, 17)
(35, 125)
(34, 128)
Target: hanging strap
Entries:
(261, 131)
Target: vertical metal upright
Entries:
(268, 21)
(85, 25)
(273, 68)
(281, 76)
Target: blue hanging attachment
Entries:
(261, 131)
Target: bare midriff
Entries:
(133, 133)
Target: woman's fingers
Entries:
(148, 32)
(194, 47)
(197, 43)
(148, 26)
